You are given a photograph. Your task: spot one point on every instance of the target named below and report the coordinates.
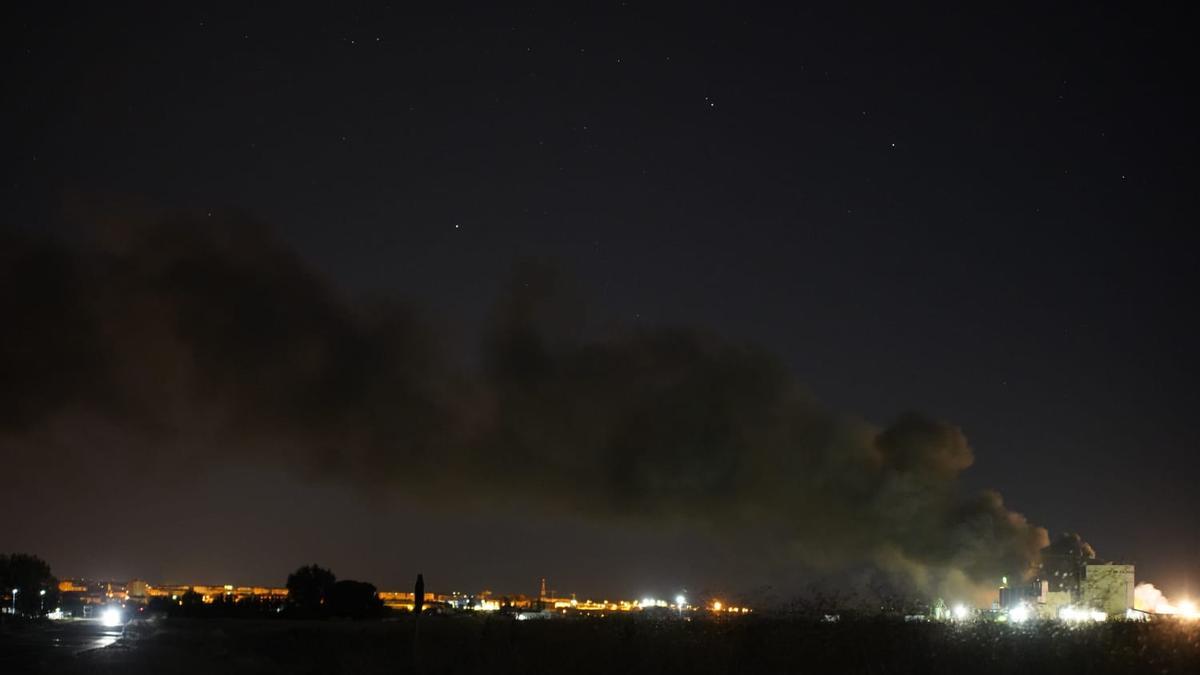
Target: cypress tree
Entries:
(419, 594)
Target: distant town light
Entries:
(716, 605)
(961, 612)
(1019, 614)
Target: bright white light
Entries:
(679, 600)
(1081, 614)
(1019, 614)
(961, 612)
(111, 617)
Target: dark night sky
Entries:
(985, 216)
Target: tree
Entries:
(30, 575)
(419, 594)
(309, 587)
(191, 599)
(357, 599)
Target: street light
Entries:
(42, 601)
(15, 590)
(679, 600)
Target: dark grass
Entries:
(499, 645)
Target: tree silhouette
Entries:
(30, 575)
(419, 594)
(191, 599)
(357, 599)
(309, 587)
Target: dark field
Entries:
(499, 645)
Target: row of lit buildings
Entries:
(140, 592)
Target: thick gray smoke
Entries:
(168, 344)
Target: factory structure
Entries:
(1069, 586)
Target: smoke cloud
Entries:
(174, 343)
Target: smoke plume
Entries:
(161, 345)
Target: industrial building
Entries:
(1066, 584)
(1108, 588)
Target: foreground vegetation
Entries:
(499, 645)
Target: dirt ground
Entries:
(500, 645)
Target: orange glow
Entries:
(1149, 599)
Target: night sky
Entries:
(984, 217)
